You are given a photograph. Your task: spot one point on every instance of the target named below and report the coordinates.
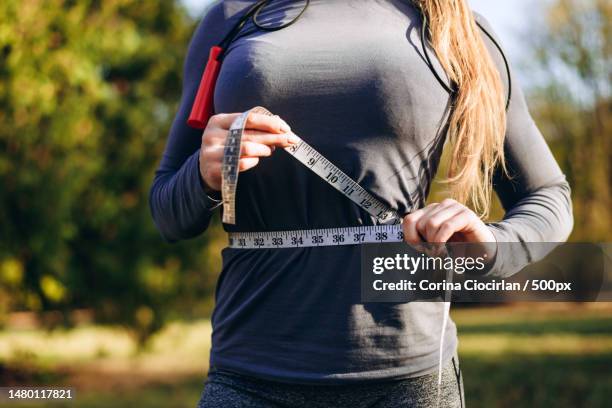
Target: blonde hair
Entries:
(477, 123)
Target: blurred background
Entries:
(91, 297)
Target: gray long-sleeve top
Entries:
(351, 80)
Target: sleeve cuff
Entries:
(504, 263)
(493, 265)
(210, 203)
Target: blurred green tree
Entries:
(87, 93)
(572, 73)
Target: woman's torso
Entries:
(350, 78)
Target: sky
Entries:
(509, 19)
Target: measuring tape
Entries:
(389, 229)
(317, 237)
(229, 169)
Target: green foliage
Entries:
(573, 105)
(87, 92)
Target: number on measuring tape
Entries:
(309, 157)
(229, 169)
(318, 164)
(388, 231)
(315, 238)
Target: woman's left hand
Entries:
(448, 221)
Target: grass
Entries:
(521, 356)
(537, 356)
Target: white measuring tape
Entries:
(390, 229)
(229, 169)
(317, 237)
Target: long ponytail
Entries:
(477, 124)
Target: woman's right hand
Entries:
(262, 134)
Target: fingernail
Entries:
(285, 127)
(292, 138)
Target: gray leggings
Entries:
(228, 390)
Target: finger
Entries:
(425, 246)
(411, 235)
(223, 120)
(214, 154)
(435, 208)
(255, 121)
(451, 225)
(215, 151)
(214, 136)
(214, 168)
(430, 211)
(247, 163)
(418, 216)
(428, 226)
(272, 139)
(252, 149)
(266, 123)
